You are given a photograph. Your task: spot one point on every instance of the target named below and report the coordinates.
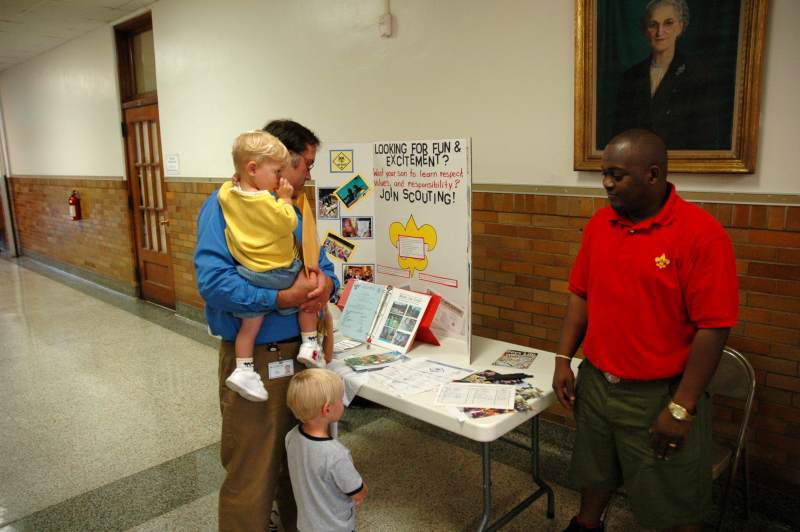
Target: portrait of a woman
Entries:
(678, 94)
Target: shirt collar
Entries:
(310, 437)
(662, 217)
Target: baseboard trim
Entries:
(106, 282)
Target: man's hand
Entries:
(564, 383)
(319, 296)
(297, 294)
(667, 434)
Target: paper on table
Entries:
(467, 395)
(344, 344)
(418, 375)
(352, 381)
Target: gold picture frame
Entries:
(737, 152)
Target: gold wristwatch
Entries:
(679, 412)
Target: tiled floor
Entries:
(110, 421)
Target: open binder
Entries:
(387, 316)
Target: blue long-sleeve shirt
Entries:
(226, 292)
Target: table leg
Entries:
(544, 488)
(551, 511)
(487, 485)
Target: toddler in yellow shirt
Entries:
(260, 222)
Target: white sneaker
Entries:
(247, 383)
(311, 355)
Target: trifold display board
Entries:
(398, 213)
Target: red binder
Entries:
(424, 332)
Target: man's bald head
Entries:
(644, 148)
(634, 167)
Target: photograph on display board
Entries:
(353, 191)
(357, 227)
(358, 272)
(337, 247)
(328, 204)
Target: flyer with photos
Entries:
(514, 358)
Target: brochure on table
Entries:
(397, 213)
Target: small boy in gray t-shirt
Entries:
(325, 482)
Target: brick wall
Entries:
(100, 244)
(184, 200)
(524, 244)
(523, 247)
(183, 204)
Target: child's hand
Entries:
(359, 497)
(285, 190)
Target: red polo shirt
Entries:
(649, 286)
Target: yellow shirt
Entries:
(259, 228)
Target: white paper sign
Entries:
(172, 164)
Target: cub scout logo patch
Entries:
(662, 261)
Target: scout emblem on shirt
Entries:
(662, 261)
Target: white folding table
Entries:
(484, 430)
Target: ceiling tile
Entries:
(11, 8)
(30, 27)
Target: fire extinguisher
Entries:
(74, 202)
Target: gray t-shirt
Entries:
(323, 480)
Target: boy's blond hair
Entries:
(312, 388)
(258, 146)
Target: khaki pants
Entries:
(253, 452)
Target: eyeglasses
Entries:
(309, 164)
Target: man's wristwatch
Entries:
(678, 412)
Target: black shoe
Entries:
(575, 527)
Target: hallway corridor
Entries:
(99, 405)
(110, 422)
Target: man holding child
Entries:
(252, 442)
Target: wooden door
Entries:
(151, 225)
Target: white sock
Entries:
(244, 363)
(308, 337)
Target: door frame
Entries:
(10, 237)
(130, 99)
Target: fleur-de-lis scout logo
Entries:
(662, 261)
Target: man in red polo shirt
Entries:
(653, 297)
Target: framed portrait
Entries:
(689, 70)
